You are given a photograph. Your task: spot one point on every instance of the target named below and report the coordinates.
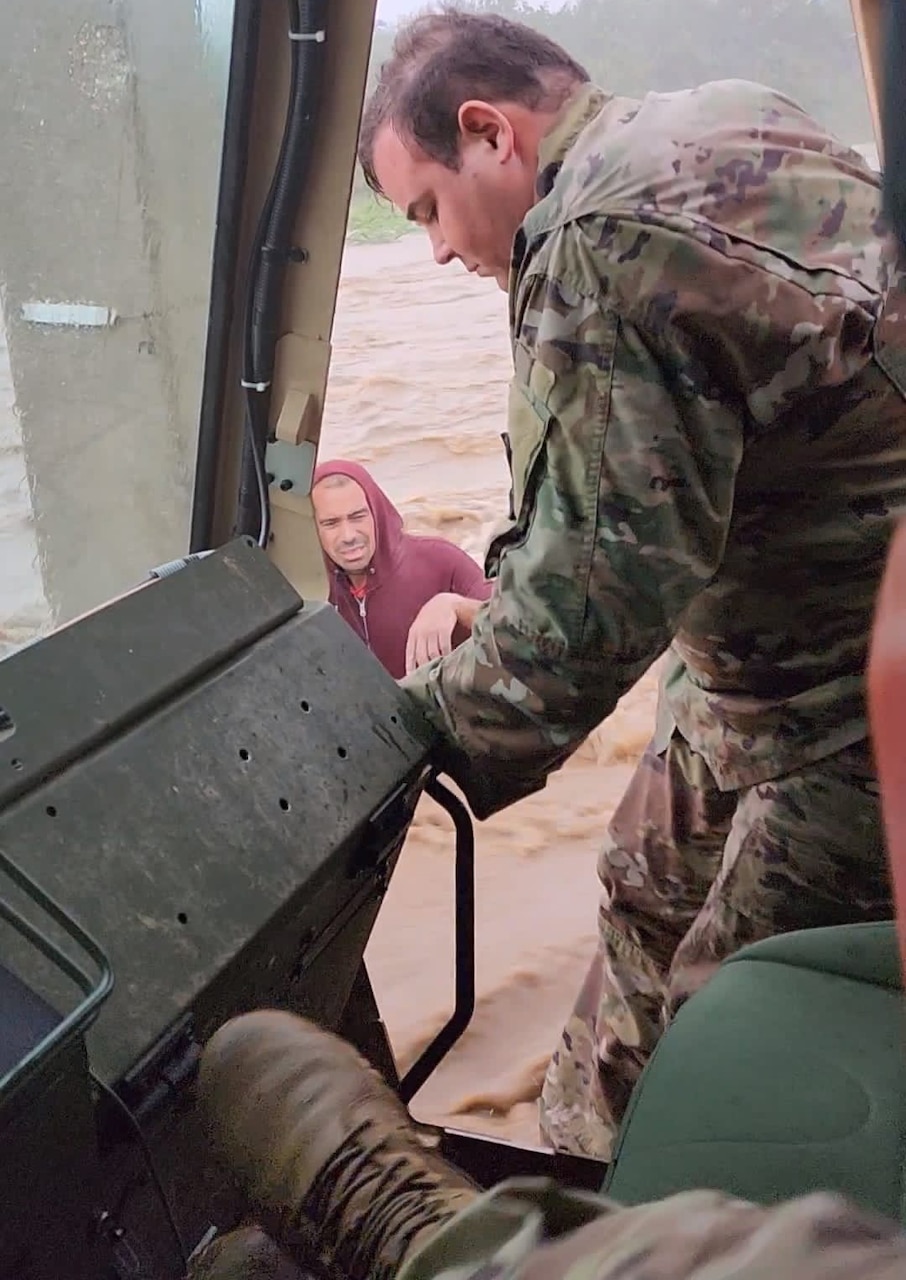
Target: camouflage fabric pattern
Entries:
(690, 874)
(535, 1231)
(706, 452)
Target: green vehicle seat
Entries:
(785, 1074)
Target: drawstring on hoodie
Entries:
(363, 614)
(360, 596)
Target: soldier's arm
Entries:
(624, 463)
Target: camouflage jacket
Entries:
(707, 443)
(529, 1229)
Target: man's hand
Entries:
(431, 634)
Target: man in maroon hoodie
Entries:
(410, 598)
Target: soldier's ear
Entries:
(483, 124)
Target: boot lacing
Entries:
(398, 1201)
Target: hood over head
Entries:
(388, 523)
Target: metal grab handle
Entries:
(95, 990)
(464, 1006)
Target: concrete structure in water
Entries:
(110, 155)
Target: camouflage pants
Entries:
(690, 874)
(526, 1230)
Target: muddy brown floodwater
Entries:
(417, 393)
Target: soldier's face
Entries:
(471, 213)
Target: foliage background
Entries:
(807, 48)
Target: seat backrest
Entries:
(881, 37)
(887, 702)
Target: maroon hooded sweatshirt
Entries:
(406, 571)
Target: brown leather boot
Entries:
(244, 1254)
(327, 1155)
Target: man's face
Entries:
(471, 213)
(345, 523)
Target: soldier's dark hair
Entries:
(443, 58)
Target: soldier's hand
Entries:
(431, 634)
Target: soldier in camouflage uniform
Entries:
(333, 1166)
(336, 1173)
(708, 439)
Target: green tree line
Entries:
(806, 48)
